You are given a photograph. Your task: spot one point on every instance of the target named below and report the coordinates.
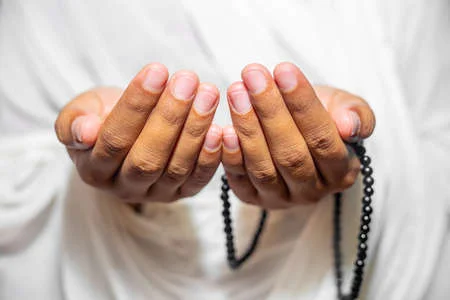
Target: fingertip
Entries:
(213, 139)
(85, 131)
(230, 139)
(285, 75)
(237, 86)
(284, 66)
(253, 67)
(239, 98)
(348, 124)
(210, 87)
(155, 76)
(183, 85)
(206, 99)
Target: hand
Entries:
(149, 143)
(285, 148)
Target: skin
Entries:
(155, 141)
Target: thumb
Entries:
(79, 122)
(352, 115)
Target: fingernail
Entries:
(356, 125)
(184, 85)
(230, 139)
(212, 139)
(286, 78)
(240, 100)
(155, 78)
(77, 129)
(206, 99)
(255, 80)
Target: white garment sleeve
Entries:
(33, 169)
(426, 69)
(422, 46)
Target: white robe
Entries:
(61, 239)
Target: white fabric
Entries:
(61, 239)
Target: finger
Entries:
(148, 156)
(125, 122)
(207, 163)
(257, 158)
(287, 146)
(318, 129)
(190, 141)
(233, 164)
(353, 116)
(78, 123)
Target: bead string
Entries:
(358, 271)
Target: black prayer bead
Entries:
(362, 255)
(368, 191)
(362, 247)
(362, 237)
(366, 200)
(359, 150)
(358, 272)
(359, 263)
(364, 228)
(367, 209)
(365, 160)
(368, 180)
(365, 219)
(366, 170)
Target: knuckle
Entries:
(177, 172)
(245, 131)
(324, 144)
(300, 106)
(265, 175)
(170, 117)
(142, 168)
(292, 160)
(320, 142)
(204, 172)
(112, 144)
(135, 104)
(195, 130)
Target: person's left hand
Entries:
(286, 146)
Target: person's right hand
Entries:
(153, 142)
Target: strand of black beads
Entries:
(359, 264)
(233, 261)
(336, 243)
